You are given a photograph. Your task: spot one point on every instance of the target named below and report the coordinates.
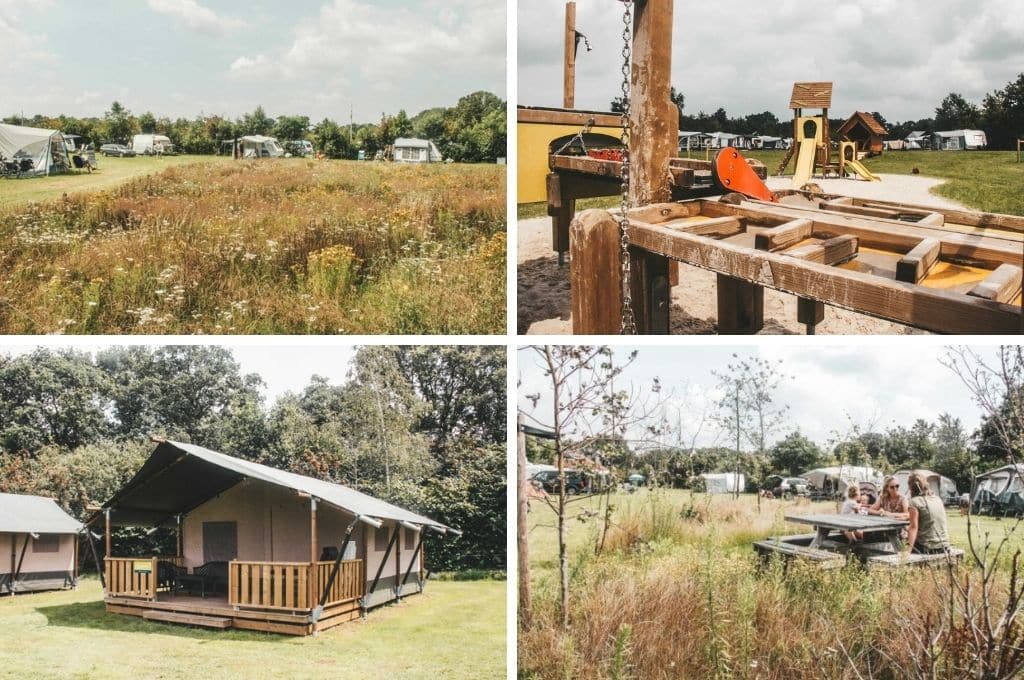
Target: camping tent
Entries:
(37, 151)
(409, 150)
(943, 487)
(723, 482)
(258, 146)
(834, 480)
(42, 542)
(959, 140)
(152, 144)
(1002, 487)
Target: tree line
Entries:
(422, 427)
(473, 130)
(1000, 114)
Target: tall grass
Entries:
(287, 246)
(678, 593)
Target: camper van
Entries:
(152, 145)
(299, 147)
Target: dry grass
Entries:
(288, 246)
(678, 593)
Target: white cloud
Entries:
(196, 17)
(20, 47)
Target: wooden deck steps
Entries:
(187, 619)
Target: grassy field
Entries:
(286, 246)
(455, 629)
(984, 180)
(111, 173)
(677, 593)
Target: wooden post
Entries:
(569, 73)
(74, 573)
(740, 306)
(180, 540)
(596, 274)
(654, 119)
(650, 291)
(522, 527)
(314, 539)
(398, 562)
(106, 516)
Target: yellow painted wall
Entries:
(532, 159)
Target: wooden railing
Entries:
(134, 576)
(291, 585)
(348, 585)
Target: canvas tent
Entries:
(943, 487)
(723, 482)
(273, 537)
(259, 146)
(918, 139)
(149, 144)
(1001, 488)
(36, 151)
(411, 150)
(834, 480)
(960, 140)
(38, 544)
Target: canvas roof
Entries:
(178, 477)
(413, 142)
(257, 139)
(917, 134)
(811, 96)
(34, 514)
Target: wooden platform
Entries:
(187, 619)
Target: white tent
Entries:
(943, 487)
(723, 482)
(151, 144)
(44, 149)
(959, 140)
(995, 482)
(837, 478)
(258, 146)
(410, 150)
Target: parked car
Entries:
(119, 150)
(785, 487)
(576, 482)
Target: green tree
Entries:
(119, 124)
(795, 454)
(331, 139)
(956, 113)
(256, 123)
(289, 128)
(147, 123)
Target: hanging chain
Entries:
(628, 326)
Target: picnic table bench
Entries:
(885, 529)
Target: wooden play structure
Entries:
(862, 128)
(810, 132)
(939, 270)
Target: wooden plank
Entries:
(1002, 285)
(203, 607)
(933, 219)
(784, 235)
(304, 599)
(552, 116)
(569, 65)
(651, 296)
(849, 522)
(722, 227)
(188, 619)
(968, 218)
(915, 265)
(653, 118)
(245, 595)
(832, 251)
(277, 577)
(893, 560)
(270, 627)
(596, 274)
(740, 306)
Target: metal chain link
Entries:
(628, 325)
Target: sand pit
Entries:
(543, 287)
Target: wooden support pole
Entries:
(654, 119)
(74, 571)
(180, 540)
(313, 541)
(522, 527)
(651, 291)
(398, 562)
(915, 265)
(740, 306)
(569, 73)
(106, 517)
(596, 273)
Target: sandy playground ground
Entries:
(542, 287)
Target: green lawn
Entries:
(111, 172)
(455, 629)
(984, 180)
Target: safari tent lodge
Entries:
(41, 541)
(257, 548)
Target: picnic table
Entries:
(883, 529)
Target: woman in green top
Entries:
(927, 532)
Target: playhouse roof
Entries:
(811, 96)
(177, 478)
(865, 119)
(34, 514)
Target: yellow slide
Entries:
(804, 162)
(858, 168)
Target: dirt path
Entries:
(543, 287)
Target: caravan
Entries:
(152, 145)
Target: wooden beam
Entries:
(721, 227)
(832, 251)
(915, 265)
(784, 235)
(596, 274)
(1002, 285)
(569, 70)
(740, 306)
(576, 119)
(650, 290)
(931, 309)
(654, 119)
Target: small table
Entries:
(888, 527)
(187, 581)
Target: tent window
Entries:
(410, 154)
(46, 543)
(220, 541)
(380, 539)
(410, 539)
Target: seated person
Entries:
(329, 554)
(927, 533)
(851, 506)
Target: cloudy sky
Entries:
(898, 57)
(876, 385)
(304, 57)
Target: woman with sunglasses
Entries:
(927, 532)
(891, 503)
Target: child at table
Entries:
(851, 506)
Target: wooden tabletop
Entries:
(849, 522)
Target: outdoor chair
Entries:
(213, 576)
(167, 574)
